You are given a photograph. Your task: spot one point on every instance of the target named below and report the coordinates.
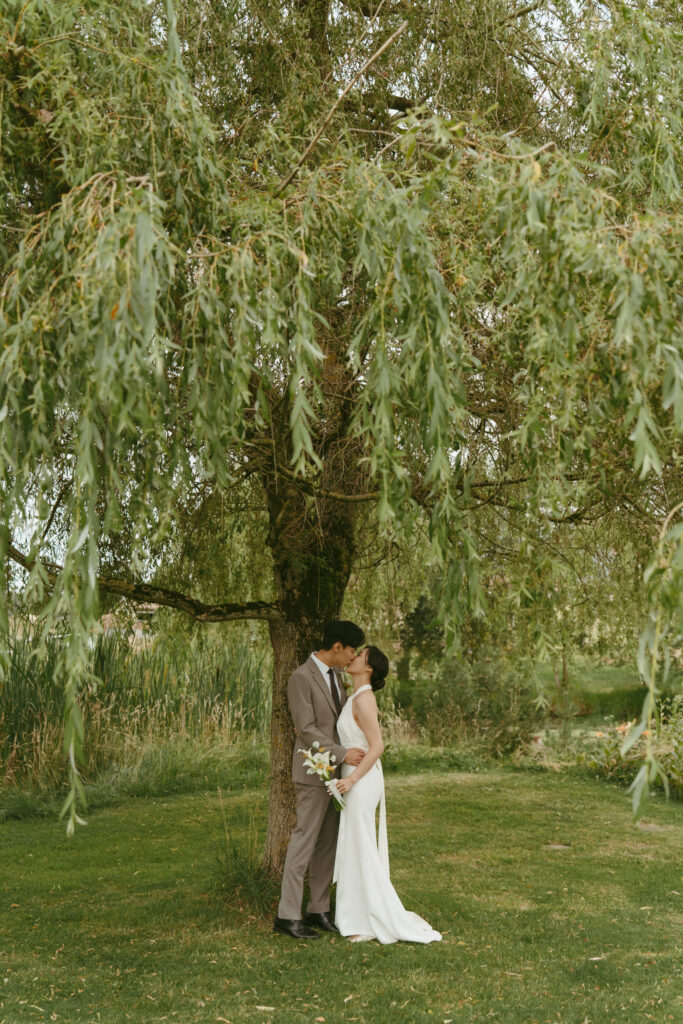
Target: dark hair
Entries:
(343, 632)
(379, 663)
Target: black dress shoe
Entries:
(323, 921)
(297, 929)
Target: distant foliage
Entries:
(240, 881)
(488, 699)
(664, 738)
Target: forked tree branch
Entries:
(402, 103)
(528, 9)
(370, 10)
(371, 60)
(199, 610)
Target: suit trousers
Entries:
(312, 847)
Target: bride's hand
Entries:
(344, 785)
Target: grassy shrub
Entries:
(620, 703)
(240, 880)
(152, 768)
(604, 757)
(417, 758)
(489, 700)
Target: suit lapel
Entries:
(317, 676)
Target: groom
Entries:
(316, 697)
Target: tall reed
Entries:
(215, 695)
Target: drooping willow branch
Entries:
(137, 591)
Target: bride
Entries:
(368, 906)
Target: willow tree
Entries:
(328, 264)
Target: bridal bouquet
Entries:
(319, 761)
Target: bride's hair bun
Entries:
(379, 663)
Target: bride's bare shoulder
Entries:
(366, 700)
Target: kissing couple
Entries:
(342, 846)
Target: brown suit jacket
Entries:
(315, 717)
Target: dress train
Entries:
(367, 904)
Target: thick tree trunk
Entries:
(312, 541)
(312, 561)
(292, 643)
(286, 642)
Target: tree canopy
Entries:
(336, 267)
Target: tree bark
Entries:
(312, 547)
(293, 637)
(286, 640)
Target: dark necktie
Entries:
(334, 691)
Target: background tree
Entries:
(242, 278)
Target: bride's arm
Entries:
(365, 706)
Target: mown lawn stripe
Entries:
(123, 921)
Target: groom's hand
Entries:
(354, 756)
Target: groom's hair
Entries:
(343, 632)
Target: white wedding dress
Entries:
(367, 903)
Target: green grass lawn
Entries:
(597, 692)
(554, 908)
